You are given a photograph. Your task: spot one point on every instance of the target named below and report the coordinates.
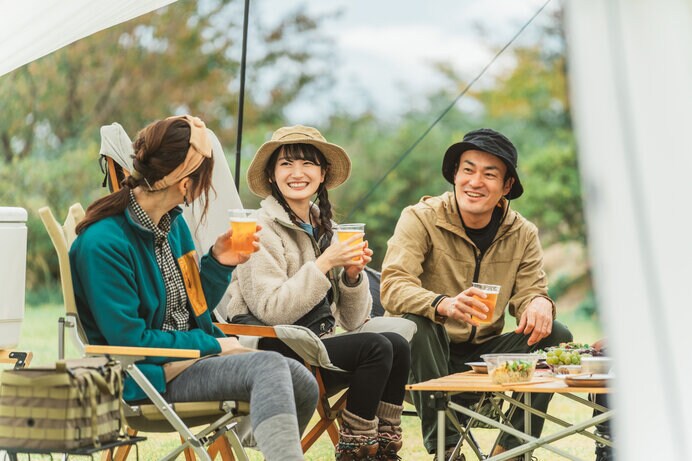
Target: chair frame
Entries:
(16, 358)
(328, 412)
(172, 417)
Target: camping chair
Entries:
(313, 353)
(16, 358)
(159, 415)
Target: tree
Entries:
(184, 57)
(528, 101)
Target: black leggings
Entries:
(377, 367)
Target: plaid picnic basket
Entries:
(73, 405)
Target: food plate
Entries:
(478, 367)
(588, 380)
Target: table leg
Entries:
(440, 403)
(527, 422)
(441, 435)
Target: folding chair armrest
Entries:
(16, 358)
(247, 330)
(142, 351)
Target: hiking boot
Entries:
(389, 434)
(357, 438)
(354, 448)
(388, 447)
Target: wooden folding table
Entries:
(443, 388)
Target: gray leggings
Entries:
(282, 395)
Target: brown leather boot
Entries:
(389, 434)
(357, 438)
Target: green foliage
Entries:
(588, 308)
(529, 103)
(184, 57)
(69, 176)
(180, 58)
(552, 197)
(559, 286)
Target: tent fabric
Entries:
(630, 70)
(116, 144)
(30, 29)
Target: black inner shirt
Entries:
(484, 236)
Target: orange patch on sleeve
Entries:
(193, 283)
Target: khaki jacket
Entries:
(281, 282)
(430, 255)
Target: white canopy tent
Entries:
(630, 68)
(630, 71)
(30, 29)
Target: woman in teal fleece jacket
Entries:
(137, 283)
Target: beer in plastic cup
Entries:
(346, 231)
(244, 225)
(491, 291)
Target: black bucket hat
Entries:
(486, 140)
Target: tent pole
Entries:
(241, 97)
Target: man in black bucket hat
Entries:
(492, 142)
(443, 245)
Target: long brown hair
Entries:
(311, 153)
(159, 148)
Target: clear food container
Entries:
(510, 368)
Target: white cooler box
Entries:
(12, 274)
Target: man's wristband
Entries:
(439, 318)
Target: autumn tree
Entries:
(181, 58)
(184, 57)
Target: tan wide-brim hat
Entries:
(339, 163)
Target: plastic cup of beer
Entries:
(346, 231)
(491, 292)
(244, 225)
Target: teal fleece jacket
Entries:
(121, 297)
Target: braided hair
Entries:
(159, 148)
(301, 151)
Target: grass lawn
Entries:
(40, 331)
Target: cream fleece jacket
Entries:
(281, 282)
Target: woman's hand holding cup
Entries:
(224, 252)
(342, 253)
(353, 268)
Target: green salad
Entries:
(513, 371)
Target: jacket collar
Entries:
(273, 209)
(143, 231)
(447, 216)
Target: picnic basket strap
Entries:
(91, 394)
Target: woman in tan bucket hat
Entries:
(303, 275)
